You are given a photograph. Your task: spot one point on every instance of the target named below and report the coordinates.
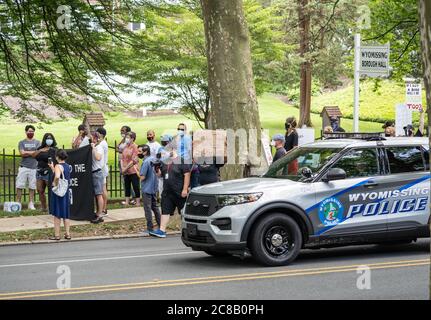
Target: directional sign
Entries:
(414, 96)
(374, 60)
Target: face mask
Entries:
(49, 142)
(127, 140)
(273, 143)
(123, 135)
(164, 143)
(150, 138)
(30, 135)
(141, 156)
(287, 126)
(180, 133)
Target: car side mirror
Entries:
(334, 174)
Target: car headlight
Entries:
(233, 199)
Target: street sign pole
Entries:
(356, 85)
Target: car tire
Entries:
(275, 240)
(218, 254)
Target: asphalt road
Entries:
(163, 269)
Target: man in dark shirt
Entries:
(278, 142)
(209, 169)
(176, 182)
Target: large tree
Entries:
(178, 70)
(320, 31)
(425, 36)
(230, 75)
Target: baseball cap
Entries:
(166, 138)
(278, 137)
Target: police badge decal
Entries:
(331, 212)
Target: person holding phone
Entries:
(59, 207)
(44, 155)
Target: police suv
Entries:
(364, 189)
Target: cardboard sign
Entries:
(266, 148)
(403, 117)
(305, 135)
(414, 96)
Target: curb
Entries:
(113, 237)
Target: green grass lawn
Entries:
(375, 105)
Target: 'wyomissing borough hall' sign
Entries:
(374, 60)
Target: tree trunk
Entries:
(425, 26)
(306, 67)
(230, 77)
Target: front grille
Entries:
(199, 237)
(201, 205)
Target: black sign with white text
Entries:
(81, 184)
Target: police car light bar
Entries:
(371, 136)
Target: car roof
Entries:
(390, 141)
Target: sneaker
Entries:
(158, 233)
(104, 214)
(31, 206)
(97, 220)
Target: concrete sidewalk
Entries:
(47, 221)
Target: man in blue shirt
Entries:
(183, 143)
(149, 186)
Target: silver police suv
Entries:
(364, 189)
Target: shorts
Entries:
(98, 182)
(172, 201)
(26, 177)
(44, 177)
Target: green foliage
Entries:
(397, 22)
(178, 70)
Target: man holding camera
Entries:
(149, 185)
(176, 185)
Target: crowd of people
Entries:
(151, 172)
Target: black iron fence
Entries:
(9, 165)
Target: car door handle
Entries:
(371, 184)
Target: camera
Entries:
(156, 164)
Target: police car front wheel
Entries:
(275, 240)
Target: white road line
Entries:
(97, 259)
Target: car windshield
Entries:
(293, 163)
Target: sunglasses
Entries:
(179, 129)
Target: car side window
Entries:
(359, 163)
(405, 159)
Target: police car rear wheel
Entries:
(275, 240)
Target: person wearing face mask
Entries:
(129, 161)
(291, 142)
(97, 172)
(291, 137)
(82, 139)
(28, 166)
(278, 142)
(152, 143)
(44, 155)
(105, 169)
(149, 185)
(163, 155)
(120, 147)
(184, 143)
(59, 207)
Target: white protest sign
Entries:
(374, 60)
(414, 96)
(403, 117)
(266, 148)
(305, 135)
